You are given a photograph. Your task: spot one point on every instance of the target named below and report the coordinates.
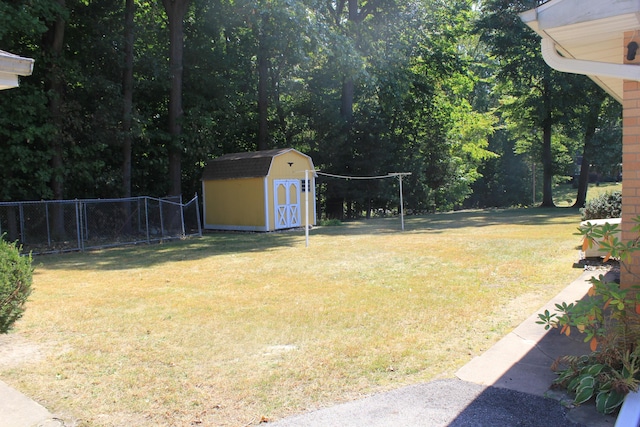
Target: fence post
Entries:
(182, 218)
(23, 233)
(46, 214)
(79, 224)
(161, 219)
(198, 215)
(146, 217)
(85, 223)
(139, 213)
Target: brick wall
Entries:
(630, 167)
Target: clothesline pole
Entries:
(306, 208)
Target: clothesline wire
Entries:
(390, 175)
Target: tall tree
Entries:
(263, 77)
(587, 114)
(350, 15)
(53, 44)
(25, 169)
(176, 11)
(591, 120)
(526, 76)
(127, 96)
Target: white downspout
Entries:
(590, 68)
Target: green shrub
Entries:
(330, 222)
(15, 284)
(606, 205)
(608, 317)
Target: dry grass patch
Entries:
(228, 328)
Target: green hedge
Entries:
(15, 284)
(606, 205)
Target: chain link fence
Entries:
(76, 225)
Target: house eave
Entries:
(590, 31)
(12, 66)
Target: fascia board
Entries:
(8, 80)
(10, 63)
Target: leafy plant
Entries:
(609, 319)
(15, 284)
(606, 205)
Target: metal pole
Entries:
(401, 203)
(306, 208)
(23, 232)
(85, 222)
(79, 224)
(198, 215)
(182, 217)
(533, 178)
(161, 218)
(146, 216)
(46, 212)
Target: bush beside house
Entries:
(15, 284)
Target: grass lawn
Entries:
(229, 328)
(565, 195)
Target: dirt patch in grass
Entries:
(16, 350)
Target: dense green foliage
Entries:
(366, 87)
(606, 205)
(15, 284)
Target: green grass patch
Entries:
(227, 328)
(330, 222)
(564, 195)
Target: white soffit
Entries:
(561, 13)
(588, 30)
(8, 80)
(12, 66)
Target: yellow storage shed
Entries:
(259, 191)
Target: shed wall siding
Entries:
(280, 169)
(235, 202)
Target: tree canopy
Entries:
(133, 97)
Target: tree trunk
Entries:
(54, 42)
(590, 130)
(263, 78)
(127, 111)
(346, 102)
(348, 83)
(547, 155)
(53, 45)
(127, 97)
(176, 10)
(547, 167)
(583, 178)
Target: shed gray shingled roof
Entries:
(241, 165)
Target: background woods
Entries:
(133, 97)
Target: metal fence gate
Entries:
(72, 225)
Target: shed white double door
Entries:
(286, 193)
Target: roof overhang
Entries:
(12, 66)
(589, 36)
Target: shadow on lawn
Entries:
(220, 243)
(485, 218)
(143, 255)
(441, 222)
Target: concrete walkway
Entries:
(507, 386)
(17, 410)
